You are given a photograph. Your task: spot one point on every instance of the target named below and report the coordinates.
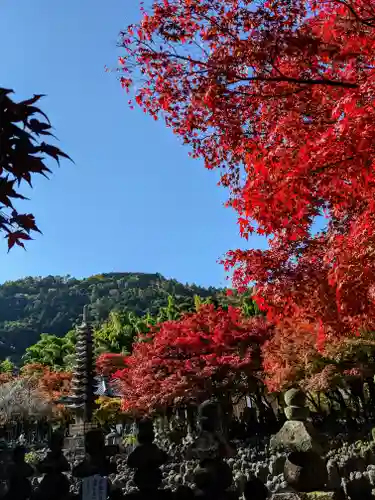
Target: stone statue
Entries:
(210, 442)
(296, 408)
(18, 473)
(297, 434)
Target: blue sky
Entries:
(133, 201)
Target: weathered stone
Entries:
(82, 400)
(296, 436)
(305, 471)
(285, 496)
(276, 466)
(296, 413)
(334, 480)
(320, 495)
(295, 397)
(359, 488)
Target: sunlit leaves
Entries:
(283, 104)
(211, 351)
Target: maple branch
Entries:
(320, 169)
(183, 58)
(264, 96)
(299, 81)
(367, 22)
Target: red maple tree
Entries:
(279, 95)
(209, 352)
(108, 363)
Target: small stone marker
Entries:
(94, 488)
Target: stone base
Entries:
(320, 495)
(296, 436)
(75, 443)
(313, 495)
(76, 438)
(290, 495)
(296, 413)
(81, 429)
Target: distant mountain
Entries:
(35, 305)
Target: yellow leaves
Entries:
(108, 409)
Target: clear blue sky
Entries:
(133, 201)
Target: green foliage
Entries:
(117, 334)
(54, 304)
(53, 351)
(6, 366)
(132, 302)
(129, 440)
(32, 458)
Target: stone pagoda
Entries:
(82, 399)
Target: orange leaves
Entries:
(51, 384)
(55, 384)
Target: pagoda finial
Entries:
(85, 314)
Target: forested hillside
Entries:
(53, 304)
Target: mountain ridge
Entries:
(53, 304)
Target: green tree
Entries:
(117, 334)
(6, 366)
(172, 311)
(53, 351)
(54, 304)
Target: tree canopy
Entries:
(212, 351)
(114, 337)
(278, 95)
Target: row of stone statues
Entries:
(304, 470)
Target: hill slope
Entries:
(31, 306)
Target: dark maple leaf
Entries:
(19, 161)
(16, 238)
(26, 221)
(53, 151)
(38, 127)
(28, 111)
(33, 100)
(7, 192)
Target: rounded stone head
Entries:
(209, 415)
(295, 397)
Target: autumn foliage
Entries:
(51, 384)
(278, 95)
(210, 352)
(109, 363)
